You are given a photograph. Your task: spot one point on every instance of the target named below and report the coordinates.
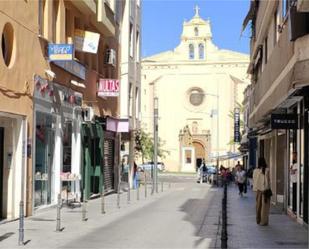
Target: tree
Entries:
(145, 146)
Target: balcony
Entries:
(101, 14)
(85, 6)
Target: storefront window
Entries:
(67, 147)
(44, 157)
(292, 193)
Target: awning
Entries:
(117, 125)
(228, 156)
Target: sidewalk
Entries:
(243, 232)
(40, 229)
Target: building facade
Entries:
(59, 103)
(130, 91)
(197, 85)
(278, 104)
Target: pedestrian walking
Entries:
(240, 179)
(261, 185)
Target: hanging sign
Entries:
(60, 52)
(86, 41)
(108, 88)
(284, 121)
(236, 125)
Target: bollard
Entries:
(118, 198)
(169, 185)
(21, 224)
(59, 204)
(128, 196)
(145, 186)
(162, 186)
(84, 208)
(137, 192)
(224, 236)
(103, 200)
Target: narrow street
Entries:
(184, 216)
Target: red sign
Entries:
(108, 88)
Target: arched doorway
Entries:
(200, 154)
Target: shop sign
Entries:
(86, 41)
(73, 67)
(284, 121)
(236, 125)
(60, 52)
(108, 88)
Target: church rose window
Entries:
(201, 51)
(196, 97)
(191, 51)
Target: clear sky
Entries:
(162, 23)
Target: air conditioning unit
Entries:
(88, 114)
(110, 57)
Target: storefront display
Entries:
(44, 157)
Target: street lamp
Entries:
(217, 113)
(155, 137)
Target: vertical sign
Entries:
(236, 125)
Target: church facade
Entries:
(197, 85)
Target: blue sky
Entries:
(162, 23)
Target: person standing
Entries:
(261, 183)
(240, 179)
(135, 180)
(293, 173)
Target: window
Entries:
(201, 51)
(275, 27)
(196, 96)
(196, 31)
(191, 51)
(137, 47)
(265, 50)
(131, 40)
(7, 44)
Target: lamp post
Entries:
(155, 137)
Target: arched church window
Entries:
(191, 51)
(196, 31)
(201, 51)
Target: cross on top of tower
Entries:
(197, 9)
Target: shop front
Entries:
(57, 122)
(13, 156)
(99, 157)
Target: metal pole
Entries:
(161, 186)
(118, 188)
(102, 200)
(128, 196)
(84, 208)
(58, 225)
(145, 183)
(217, 139)
(21, 224)
(155, 133)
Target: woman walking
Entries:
(261, 185)
(240, 179)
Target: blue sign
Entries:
(60, 52)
